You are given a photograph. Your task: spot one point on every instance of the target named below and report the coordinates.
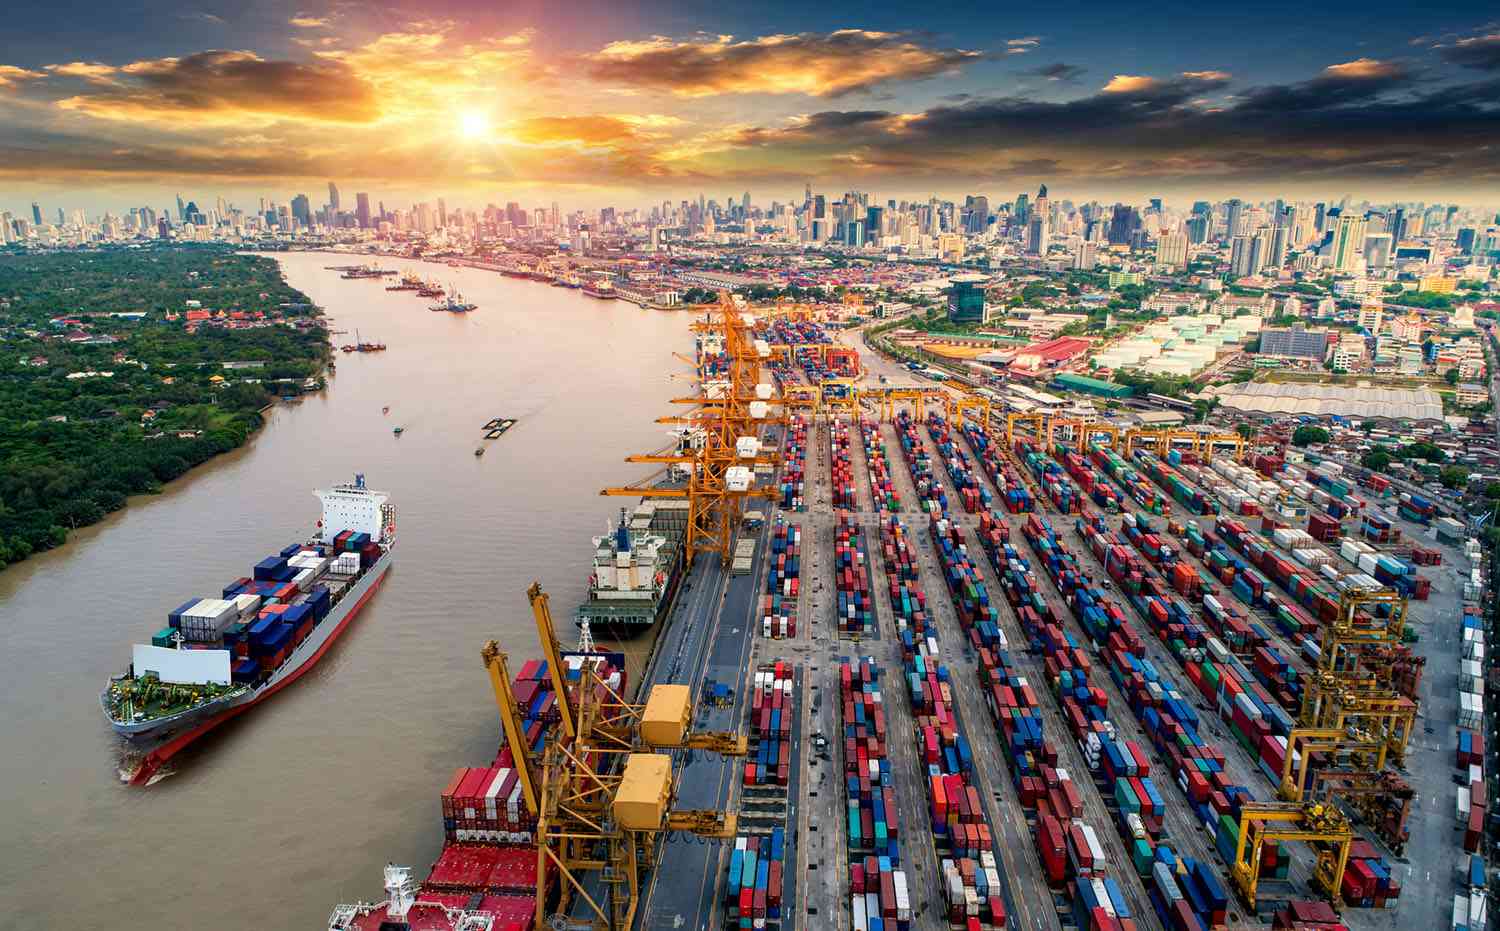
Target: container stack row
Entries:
(1013, 492)
(1072, 855)
(842, 479)
(1055, 483)
(1164, 475)
(1168, 721)
(757, 867)
(972, 493)
(930, 495)
(794, 466)
(1090, 482)
(852, 570)
(772, 714)
(879, 897)
(778, 615)
(882, 491)
(1136, 486)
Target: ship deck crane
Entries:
(510, 720)
(1321, 825)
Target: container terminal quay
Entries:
(935, 663)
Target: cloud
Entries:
(219, 86)
(1058, 71)
(309, 21)
(1481, 52)
(1363, 69)
(1130, 84)
(1022, 46)
(10, 75)
(202, 16)
(421, 70)
(587, 130)
(829, 65)
(1334, 126)
(92, 71)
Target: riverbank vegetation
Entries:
(121, 369)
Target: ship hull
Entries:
(164, 743)
(628, 628)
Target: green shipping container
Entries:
(1125, 796)
(163, 637)
(1141, 856)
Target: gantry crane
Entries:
(607, 797)
(1320, 825)
(730, 416)
(1303, 742)
(966, 406)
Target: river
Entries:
(275, 817)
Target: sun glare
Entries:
(474, 125)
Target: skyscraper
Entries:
(302, 210)
(1197, 228)
(1349, 244)
(442, 213)
(362, 209)
(1234, 210)
(1123, 222)
(333, 200)
(181, 210)
(36, 212)
(1241, 256)
(1262, 244)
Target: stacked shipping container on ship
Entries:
(757, 866)
(778, 613)
(487, 866)
(878, 893)
(882, 491)
(771, 716)
(851, 568)
(1013, 492)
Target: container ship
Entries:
(219, 657)
(454, 304)
(601, 288)
(486, 875)
(637, 569)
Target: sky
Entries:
(129, 102)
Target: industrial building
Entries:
(1178, 345)
(1294, 343)
(1068, 381)
(1052, 353)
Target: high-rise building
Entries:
(181, 210)
(1171, 250)
(1242, 256)
(36, 211)
(1371, 316)
(362, 209)
(966, 299)
(1197, 228)
(1022, 210)
(1037, 234)
(1378, 250)
(442, 213)
(1234, 211)
(1277, 253)
(1123, 222)
(1349, 244)
(302, 210)
(1260, 245)
(333, 199)
(1087, 256)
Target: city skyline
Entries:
(602, 104)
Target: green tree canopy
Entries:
(1308, 434)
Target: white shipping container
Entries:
(1367, 563)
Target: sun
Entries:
(473, 124)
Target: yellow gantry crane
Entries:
(1321, 825)
(1304, 742)
(601, 790)
(730, 416)
(607, 797)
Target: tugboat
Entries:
(399, 430)
(430, 289)
(455, 304)
(408, 282)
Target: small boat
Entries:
(496, 428)
(399, 430)
(479, 451)
(386, 409)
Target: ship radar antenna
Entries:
(402, 889)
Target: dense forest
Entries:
(147, 400)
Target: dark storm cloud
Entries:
(1058, 71)
(1361, 118)
(1475, 52)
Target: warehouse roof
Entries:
(1323, 400)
